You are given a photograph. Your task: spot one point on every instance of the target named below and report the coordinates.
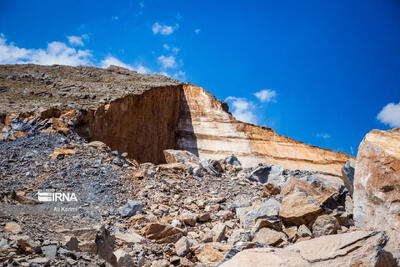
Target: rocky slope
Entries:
(145, 114)
(179, 209)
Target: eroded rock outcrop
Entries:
(377, 185)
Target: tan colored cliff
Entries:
(215, 133)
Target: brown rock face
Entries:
(377, 185)
(142, 125)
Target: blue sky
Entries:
(321, 72)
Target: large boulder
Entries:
(180, 156)
(360, 248)
(299, 208)
(267, 210)
(377, 185)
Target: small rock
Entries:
(12, 227)
(73, 244)
(204, 217)
(123, 258)
(218, 232)
(303, 231)
(130, 237)
(162, 233)
(325, 225)
(188, 218)
(160, 263)
(130, 208)
(291, 233)
(232, 160)
(174, 260)
(182, 246)
(239, 235)
(41, 260)
(269, 237)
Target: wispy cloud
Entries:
(164, 29)
(110, 60)
(55, 53)
(324, 135)
(390, 115)
(175, 50)
(266, 95)
(141, 4)
(196, 31)
(242, 109)
(77, 40)
(179, 75)
(167, 62)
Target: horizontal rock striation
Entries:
(212, 132)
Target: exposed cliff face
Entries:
(142, 125)
(187, 117)
(216, 133)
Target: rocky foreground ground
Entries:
(70, 200)
(188, 212)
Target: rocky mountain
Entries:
(108, 167)
(145, 114)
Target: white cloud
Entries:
(75, 40)
(167, 62)
(197, 31)
(242, 109)
(164, 29)
(110, 60)
(55, 53)
(390, 114)
(324, 135)
(266, 95)
(166, 47)
(180, 75)
(174, 50)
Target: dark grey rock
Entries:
(232, 160)
(268, 173)
(130, 208)
(348, 174)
